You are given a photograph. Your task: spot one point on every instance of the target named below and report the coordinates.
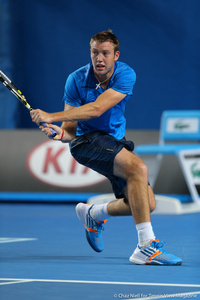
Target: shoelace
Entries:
(158, 244)
(99, 227)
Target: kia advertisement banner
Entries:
(30, 162)
(51, 163)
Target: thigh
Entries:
(96, 151)
(123, 163)
(126, 163)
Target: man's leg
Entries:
(141, 202)
(131, 168)
(121, 207)
(139, 194)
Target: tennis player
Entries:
(93, 123)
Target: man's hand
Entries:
(39, 116)
(48, 131)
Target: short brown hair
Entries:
(105, 36)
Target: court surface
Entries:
(44, 255)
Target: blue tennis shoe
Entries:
(154, 255)
(93, 229)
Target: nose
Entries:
(99, 57)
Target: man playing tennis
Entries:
(93, 123)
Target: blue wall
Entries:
(159, 39)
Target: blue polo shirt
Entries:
(80, 89)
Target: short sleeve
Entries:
(124, 80)
(71, 94)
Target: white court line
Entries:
(103, 282)
(150, 296)
(14, 282)
(16, 240)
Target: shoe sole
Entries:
(138, 261)
(89, 241)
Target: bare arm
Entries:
(69, 128)
(92, 110)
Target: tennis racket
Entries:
(10, 85)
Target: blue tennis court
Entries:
(44, 255)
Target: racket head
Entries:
(12, 87)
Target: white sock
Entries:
(99, 212)
(145, 234)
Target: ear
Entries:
(117, 54)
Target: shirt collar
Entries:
(90, 79)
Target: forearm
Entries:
(89, 111)
(82, 113)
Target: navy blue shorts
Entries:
(97, 150)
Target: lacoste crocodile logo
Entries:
(195, 171)
(180, 125)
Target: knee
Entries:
(142, 169)
(130, 167)
(139, 171)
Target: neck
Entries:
(102, 80)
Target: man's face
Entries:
(103, 58)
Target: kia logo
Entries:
(52, 163)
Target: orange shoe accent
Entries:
(154, 255)
(104, 221)
(90, 229)
(95, 230)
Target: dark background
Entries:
(43, 41)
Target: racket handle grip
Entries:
(54, 133)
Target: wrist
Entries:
(62, 134)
